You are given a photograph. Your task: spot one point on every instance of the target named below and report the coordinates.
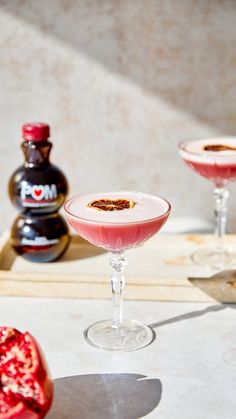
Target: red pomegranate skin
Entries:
(26, 387)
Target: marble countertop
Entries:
(189, 371)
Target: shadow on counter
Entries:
(221, 287)
(77, 249)
(191, 315)
(100, 396)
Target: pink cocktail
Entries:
(218, 166)
(117, 230)
(215, 160)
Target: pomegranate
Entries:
(26, 388)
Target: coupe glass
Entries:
(215, 160)
(118, 231)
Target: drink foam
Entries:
(146, 207)
(194, 151)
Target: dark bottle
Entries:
(37, 186)
(38, 189)
(40, 239)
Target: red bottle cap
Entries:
(35, 131)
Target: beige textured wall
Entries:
(121, 82)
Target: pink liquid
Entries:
(118, 230)
(218, 173)
(218, 166)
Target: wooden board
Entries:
(160, 270)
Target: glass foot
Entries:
(128, 336)
(213, 258)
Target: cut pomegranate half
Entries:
(26, 388)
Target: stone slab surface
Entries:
(189, 371)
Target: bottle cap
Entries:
(35, 131)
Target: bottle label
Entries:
(39, 241)
(38, 195)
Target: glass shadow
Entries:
(105, 396)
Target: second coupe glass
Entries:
(215, 160)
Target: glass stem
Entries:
(118, 262)
(221, 196)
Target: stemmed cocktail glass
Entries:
(214, 159)
(117, 221)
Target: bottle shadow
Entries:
(105, 396)
(80, 249)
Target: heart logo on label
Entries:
(37, 192)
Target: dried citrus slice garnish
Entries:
(112, 204)
(218, 147)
